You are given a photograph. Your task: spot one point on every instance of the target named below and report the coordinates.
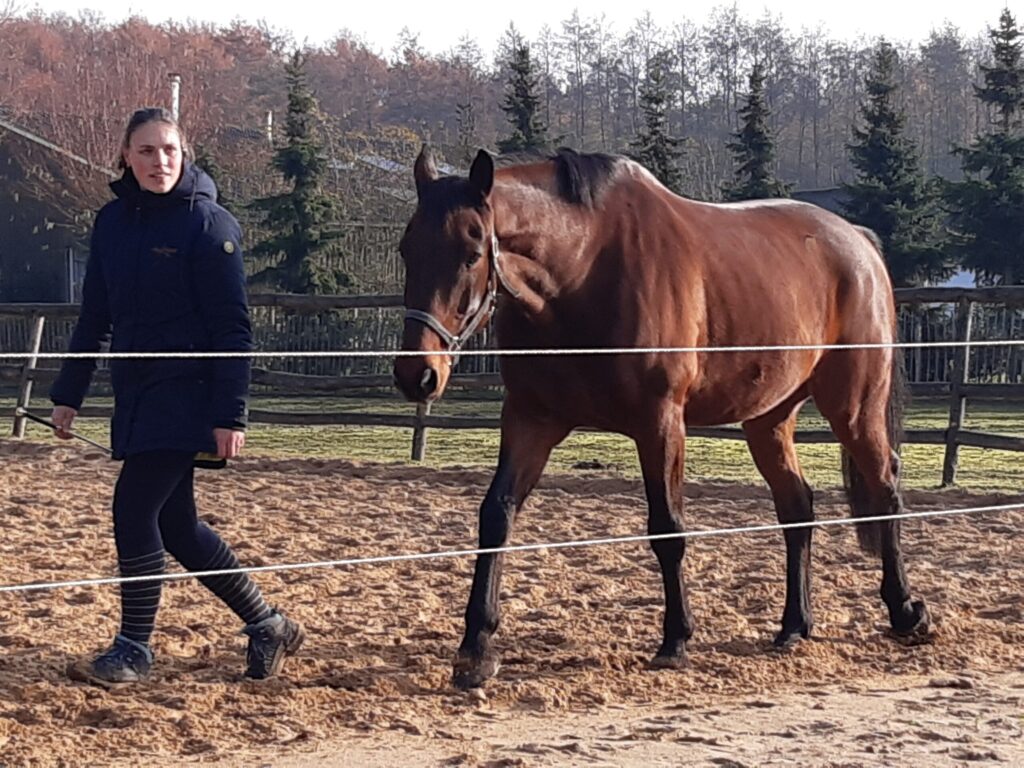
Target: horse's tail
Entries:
(868, 534)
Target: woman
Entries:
(165, 275)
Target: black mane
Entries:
(583, 177)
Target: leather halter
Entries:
(496, 280)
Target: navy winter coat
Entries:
(164, 275)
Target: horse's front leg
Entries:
(526, 444)
(662, 453)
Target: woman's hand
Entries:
(63, 417)
(229, 442)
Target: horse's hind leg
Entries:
(662, 461)
(857, 412)
(526, 444)
(770, 439)
(879, 468)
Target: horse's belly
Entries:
(728, 394)
(615, 395)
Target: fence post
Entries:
(419, 432)
(27, 372)
(919, 316)
(957, 401)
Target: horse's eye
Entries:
(473, 257)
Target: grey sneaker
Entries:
(270, 641)
(124, 663)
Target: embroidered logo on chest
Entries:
(165, 251)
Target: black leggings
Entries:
(155, 509)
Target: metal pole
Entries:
(27, 375)
(175, 79)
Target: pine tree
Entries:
(653, 147)
(299, 219)
(522, 104)
(891, 194)
(205, 160)
(1004, 79)
(987, 207)
(754, 149)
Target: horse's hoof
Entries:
(669, 661)
(786, 641)
(790, 638)
(917, 629)
(469, 672)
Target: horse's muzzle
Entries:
(418, 379)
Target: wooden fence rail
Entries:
(957, 390)
(300, 384)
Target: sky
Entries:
(439, 25)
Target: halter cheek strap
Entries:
(495, 279)
(453, 342)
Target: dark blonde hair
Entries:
(141, 117)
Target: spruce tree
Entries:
(890, 194)
(522, 104)
(299, 219)
(653, 147)
(205, 160)
(987, 207)
(754, 149)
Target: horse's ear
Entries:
(481, 173)
(424, 171)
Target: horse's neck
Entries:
(542, 237)
(539, 238)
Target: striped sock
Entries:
(140, 599)
(237, 590)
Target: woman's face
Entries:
(154, 155)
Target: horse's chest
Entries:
(578, 390)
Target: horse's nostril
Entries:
(428, 381)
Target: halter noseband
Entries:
(495, 280)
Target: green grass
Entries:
(980, 469)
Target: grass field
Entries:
(706, 459)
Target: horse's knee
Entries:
(496, 516)
(669, 549)
(663, 527)
(808, 494)
(888, 500)
(794, 503)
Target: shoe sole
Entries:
(288, 650)
(81, 672)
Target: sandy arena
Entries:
(371, 685)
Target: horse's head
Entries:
(451, 278)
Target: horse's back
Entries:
(772, 273)
(784, 255)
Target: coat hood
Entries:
(193, 185)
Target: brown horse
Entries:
(590, 251)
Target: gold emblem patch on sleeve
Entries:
(229, 247)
